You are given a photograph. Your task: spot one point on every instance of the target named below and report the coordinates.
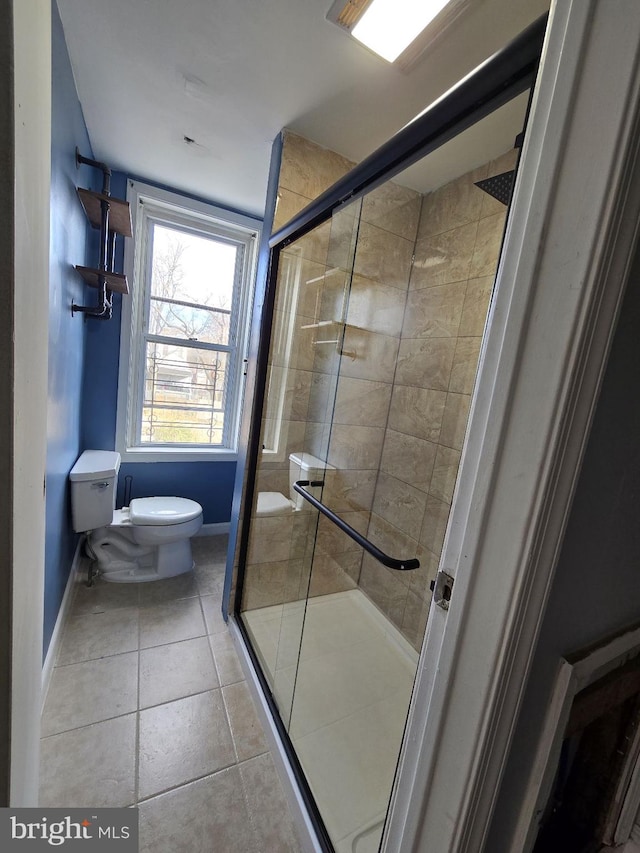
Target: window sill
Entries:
(176, 454)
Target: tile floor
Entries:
(148, 706)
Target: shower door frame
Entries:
(508, 73)
(572, 235)
(560, 340)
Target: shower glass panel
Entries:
(378, 322)
(307, 346)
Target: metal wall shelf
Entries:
(119, 211)
(112, 217)
(115, 281)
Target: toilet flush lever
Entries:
(103, 485)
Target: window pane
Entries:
(184, 395)
(191, 285)
(175, 320)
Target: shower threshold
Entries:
(342, 676)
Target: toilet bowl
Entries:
(148, 540)
(302, 466)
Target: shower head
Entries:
(499, 186)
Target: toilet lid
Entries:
(163, 510)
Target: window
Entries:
(184, 328)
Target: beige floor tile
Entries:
(211, 607)
(98, 635)
(246, 728)
(91, 691)
(170, 589)
(267, 806)
(176, 670)
(210, 579)
(171, 622)
(210, 549)
(226, 658)
(207, 816)
(102, 595)
(93, 766)
(182, 741)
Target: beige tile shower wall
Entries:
(277, 564)
(309, 369)
(456, 255)
(306, 170)
(381, 272)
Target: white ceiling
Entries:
(230, 74)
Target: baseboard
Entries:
(63, 614)
(214, 529)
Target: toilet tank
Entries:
(94, 479)
(306, 466)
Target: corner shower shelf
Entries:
(324, 275)
(321, 324)
(119, 211)
(115, 280)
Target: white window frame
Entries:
(150, 204)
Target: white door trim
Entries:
(568, 244)
(32, 177)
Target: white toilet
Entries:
(148, 540)
(302, 466)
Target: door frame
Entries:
(25, 142)
(570, 237)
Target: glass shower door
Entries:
(356, 668)
(307, 347)
(378, 323)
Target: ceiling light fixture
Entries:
(400, 31)
(389, 26)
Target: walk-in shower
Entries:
(374, 317)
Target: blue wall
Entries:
(100, 390)
(84, 354)
(209, 483)
(68, 246)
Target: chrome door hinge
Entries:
(442, 588)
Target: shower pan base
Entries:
(343, 694)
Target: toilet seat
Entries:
(273, 503)
(162, 511)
